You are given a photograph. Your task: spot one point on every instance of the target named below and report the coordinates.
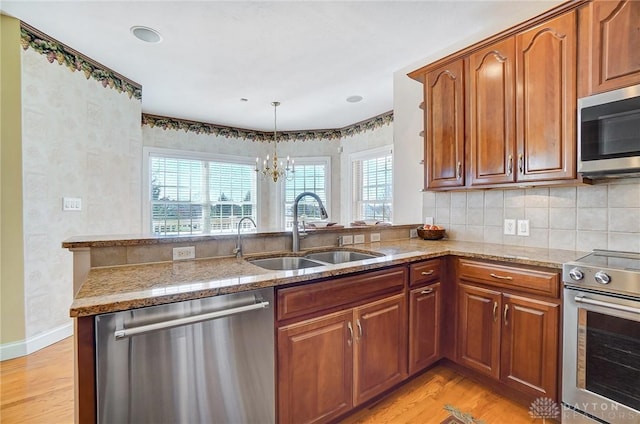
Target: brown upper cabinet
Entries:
(609, 46)
(546, 101)
(491, 117)
(444, 124)
(517, 125)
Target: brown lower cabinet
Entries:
(331, 363)
(343, 341)
(511, 337)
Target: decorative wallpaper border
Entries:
(56, 51)
(167, 123)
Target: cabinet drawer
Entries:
(422, 272)
(528, 280)
(329, 294)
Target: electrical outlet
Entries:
(182, 253)
(413, 233)
(523, 227)
(510, 227)
(71, 204)
(358, 239)
(347, 239)
(375, 237)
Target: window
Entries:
(195, 196)
(372, 186)
(311, 174)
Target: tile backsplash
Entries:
(600, 216)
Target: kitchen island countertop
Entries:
(124, 287)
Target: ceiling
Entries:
(309, 55)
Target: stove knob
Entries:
(576, 274)
(602, 278)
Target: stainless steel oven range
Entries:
(601, 346)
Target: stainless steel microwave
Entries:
(609, 133)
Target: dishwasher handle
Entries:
(134, 331)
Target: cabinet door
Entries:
(479, 329)
(530, 345)
(381, 347)
(615, 44)
(424, 327)
(444, 122)
(546, 117)
(315, 369)
(492, 113)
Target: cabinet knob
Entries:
(506, 310)
(495, 310)
(427, 291)
(425, 273)
(459, 171)
(350, 340)
(510, 165)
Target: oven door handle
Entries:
(583, 299)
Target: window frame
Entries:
(307, 160)
(365, 155)
(148, 152)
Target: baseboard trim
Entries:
(35, 343)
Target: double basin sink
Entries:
(311, 260)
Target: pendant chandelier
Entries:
(271, 168)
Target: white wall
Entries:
(79, 140)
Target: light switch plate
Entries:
(71, 204)
(428, 220)
(510, 227)
(523, 227)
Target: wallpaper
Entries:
(79, 140)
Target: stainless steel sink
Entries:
(282, 263)
(339, 256)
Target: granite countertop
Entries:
(118, 288)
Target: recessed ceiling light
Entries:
(354, 99)
(146, 34)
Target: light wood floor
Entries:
(38, 388)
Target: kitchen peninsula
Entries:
(121, 277)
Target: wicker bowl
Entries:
(430, 234)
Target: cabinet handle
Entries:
(510, 165)
(459, 171)
(427, 291)
(501, 277)
(520, 163)
(425, 273)
(350, 340)
(359, 329)
(506, 309)
(495, 310)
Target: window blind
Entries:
(191, 196)
(372, 189)
(307, 177)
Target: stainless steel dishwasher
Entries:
(209, 360)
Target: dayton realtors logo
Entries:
(544, 408)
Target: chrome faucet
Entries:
(238, 249)
(323, 215)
